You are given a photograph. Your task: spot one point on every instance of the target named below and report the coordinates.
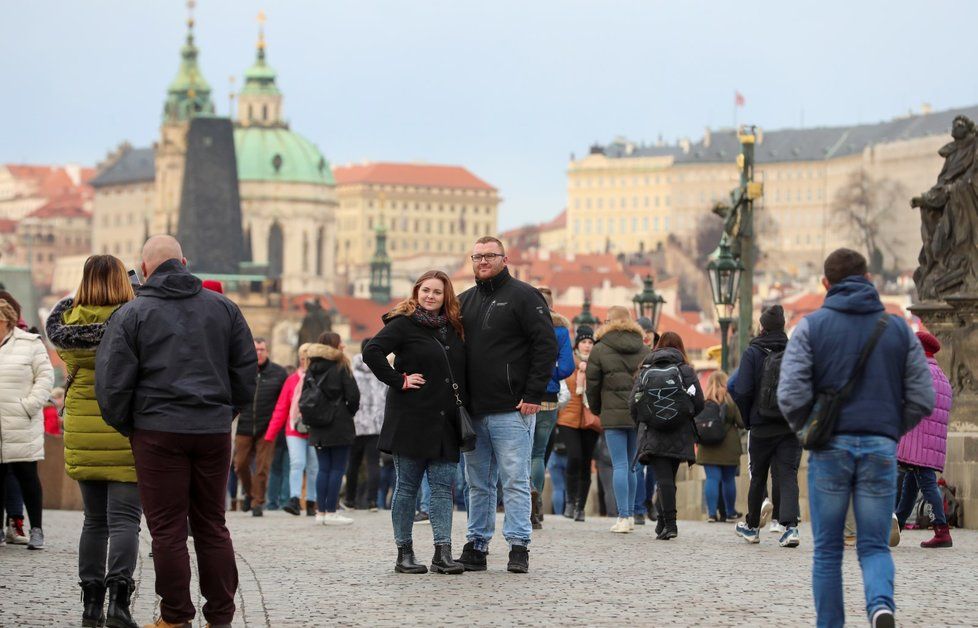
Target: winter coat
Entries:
(510, 343)
(676, 443)
(176, 359)
(926, 444)
(576, 412)
(26, 379)
(332, 368)
(728, 452)
(747, 385)
(565, 356)
(93, 449)
(256, 416)
(418, 423)
(283, 407)
(895, 391)
(618, 352)
(369, 419)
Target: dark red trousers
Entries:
(183, 476)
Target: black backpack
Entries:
(315, 407)
(660, 397)
(711, 423)
(767, 396)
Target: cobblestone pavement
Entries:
(294, 573)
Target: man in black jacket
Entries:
(174, 367)
(511, 352)
(250, 445)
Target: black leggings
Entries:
(363, 447)
(30, 486)
(580, 451)
(665, 470)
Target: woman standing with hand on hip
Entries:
(424, 332)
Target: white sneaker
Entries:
(334, 519)
(631, 523)
(776, 528)
(320, 516)
(894, 531)
(15, 536)
(621, 526)
(767, 509)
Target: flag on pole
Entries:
(738, 99)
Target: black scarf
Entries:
(771, 340)
(425, 318)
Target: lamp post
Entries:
(648, 303)
(725, 273)
(585, 317)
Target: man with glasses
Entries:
(511, 351)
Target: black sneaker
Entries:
(639, 519)
(246, 504)
(421, 517)
(519, 559)
(256, 511)
(471, 558)
(883, 618)
(293, 507)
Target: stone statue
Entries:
(949, 220)
(315, 322)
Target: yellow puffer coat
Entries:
(93, 450)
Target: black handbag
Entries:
(820, 424)
(466, 430)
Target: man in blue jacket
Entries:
(894, 393)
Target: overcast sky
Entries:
(508, 88)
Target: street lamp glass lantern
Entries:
(724, 272)
(648, 303)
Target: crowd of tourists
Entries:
(461, 399)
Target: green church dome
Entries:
(278, 154)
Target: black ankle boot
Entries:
(579, 514)
(293, 507)
(442, 561)
(310, 508)
(569, 510)
(660, 525)
(120, 590)
(406, 562)
(93, 596)
(669, 529)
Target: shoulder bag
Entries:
(466, 429)
(820, 424)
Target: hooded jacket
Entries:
(93, 450)
(679, 442)
(256, 416)
(510, 343)
(895, 391)
(565, 356)
(26, 378)
(746, 386)
(332, 368)
(611, 368)
(175, 359)
(926, 444)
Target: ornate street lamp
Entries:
(586, 317)
(648, 303)
(724, 272)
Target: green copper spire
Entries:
(260, 78)
(380, 267)
(189, 94)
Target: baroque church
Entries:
(285, 184)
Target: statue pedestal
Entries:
(955, 323)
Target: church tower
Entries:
(260, 101)
(380, 268)
(187, 97)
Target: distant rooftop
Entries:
(135, 165)
(793, 144)
(420, 175)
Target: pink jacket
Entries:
(926, 444)
(283, 407)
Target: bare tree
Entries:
(865, 206)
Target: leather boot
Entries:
(669, 529)
(93, 596)
(405, 561)
(118, 616)
(579, 514)
(534, 512)
(569, 510)
(660, 525)
(310, 508)
(442, 561)
(942, 538)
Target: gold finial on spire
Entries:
(190, 13)
(261, 29)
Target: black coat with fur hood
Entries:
(338, 382)
(611, 368)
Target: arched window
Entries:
(264, 112)
(320, 243)
(276, 251)
(305, 252)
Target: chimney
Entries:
(706, 137)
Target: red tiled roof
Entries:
(7, 225)
(63, 207)
(799, 306)
(421, 175)
(557, 223)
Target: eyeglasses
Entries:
(488, 257)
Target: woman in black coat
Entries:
(421, 428)
(329, 366)
(663, 451)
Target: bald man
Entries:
(175, 366)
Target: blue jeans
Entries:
(440, 475)
(718, 476)
(558, 469)
(546, 420)
(926, 481)
(277, 492)
(638, 508)
(422, 498)
(461, 487)
(502, 453)
(622, 445)
(332, 468)
(302, 459)
(863, 468)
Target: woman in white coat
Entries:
(26, 379)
